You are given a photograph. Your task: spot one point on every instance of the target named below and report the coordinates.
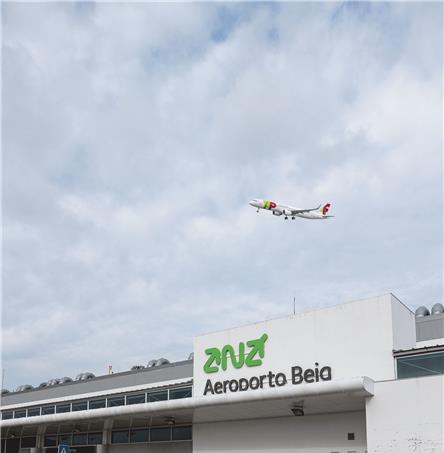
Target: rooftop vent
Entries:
(157, 362)
(437, 309)
(422, 311)
(65, 379)
(191, 356)
(162, 361)
(22, 388)
(137, 367)
(84, 376)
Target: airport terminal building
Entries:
(364, 376)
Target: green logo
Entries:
(219, 357)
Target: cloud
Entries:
(135, 135)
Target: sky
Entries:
(134, 136)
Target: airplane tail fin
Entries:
(324, 209)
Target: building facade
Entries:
(365, 376)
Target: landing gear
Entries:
(286, 218)
(293, 217)
(257, 210)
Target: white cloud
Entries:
(135, 135)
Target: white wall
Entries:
(316, 434)
(406, 416)
(354, 339)
(404, 329)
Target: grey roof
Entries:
(172, 371)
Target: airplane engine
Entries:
(287, 212)
(277, 213)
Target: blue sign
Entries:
(63, 449)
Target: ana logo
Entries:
(219, 358)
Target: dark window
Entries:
(34, 411)
(79, 406)
(159, 434)
(20, 413)
(420, 365)
(47, 410)
(12, 445)
(96, 404)
(117, 401)
(94, 438)
(135, 399)
(7, 415)
(139, 435)
(120, 437)
(28, 442)
(80, 439)
(50, 441)
(180, 393)
(182, 433)
(65, 439)
(61, 408)
(157, 396)
(350, 436)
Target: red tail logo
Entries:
(325, 209)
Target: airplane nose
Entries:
(251, 203)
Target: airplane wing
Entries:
(302, 211)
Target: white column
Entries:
(101, 448)
(106, 437)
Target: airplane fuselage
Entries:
(279, 209)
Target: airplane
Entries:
(288, 211)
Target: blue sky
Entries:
(135, 135)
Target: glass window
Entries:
(34, 411)
(120, 437)
(65, 439)
(79, 406)
(182, 433)
(28, 442)
(97, 404)
(47, 410)
(420, 365)
(139, 435)
(135, 399)
(20, 413)
(159, 434)
(94, 438)
(7, 415)
(180, 393)
(157, 396)
(50, 441)
(61, 408)
(80, 439)
(117, 401)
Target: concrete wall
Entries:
(430, 327)
(316, 434)
(354, 339)
(406, 416)
(403, 321)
